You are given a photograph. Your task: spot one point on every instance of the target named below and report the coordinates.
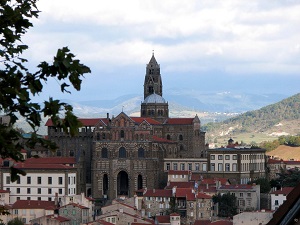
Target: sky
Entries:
(201, 45)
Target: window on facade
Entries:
(39, 191)
(39, 198)
(204, 167)
(58, 153)
(168, 166)
(180, 137)
(28, 191)
(18, 190)
(8, 180)
(182, 166)
(141, 153)
(227, 157)
(49, 180)
(220, 167)
(227, 167)
(60, 191)
(212, 167)
(74, 212)
(276, 202)
(168, 137)
(28, 180)
(103, 136)
(60, 180)
(190, 166)
(122, 134)
(24, 220)
(212, 157)
(249, 195)
(19, 181)
(197, 167)
(241, 194)
(49, 191)
(122, 152)
(234, 157)
(234, 167)
(72, 153)
(175, 166)
(220, 157)
(39, 180)
(104, 153)
(241, 202)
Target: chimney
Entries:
(107, 115)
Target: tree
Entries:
(173, 206)
(290, 178)
(265, 186)
(226, 204)
(15, 221)
(18, 85)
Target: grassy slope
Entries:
(286, 152)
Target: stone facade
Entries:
(119, 155)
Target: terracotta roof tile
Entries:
(75, 205)
(178, 172)
(4, 191)
(41, 166)
(284, 190)
(52, 160)
(163, 219)
(149, 120)
(33, 204)
(179, 121)
(58, 218)
(158, 193)
(187, 184)
(201, 195)
(202, 222)
(236, 187)
(85, 121)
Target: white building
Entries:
(278, 197)
(41, 182)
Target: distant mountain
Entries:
(276, 119)
(182, 103)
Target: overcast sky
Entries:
(201, 45)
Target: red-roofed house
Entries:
(53, 219)
(76, 213)
(30, 209)
(172, 219)
(247, 196)
(278, 197)
(41, 182)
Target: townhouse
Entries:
(278, 197)
(44, 177)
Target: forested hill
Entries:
(260, 120)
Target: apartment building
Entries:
(41, 182)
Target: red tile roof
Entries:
(103, 222)
(42, 166)
(174, 214)
(187, 184)
(236, 187)
(284, 190)
(213, 181)
(274, 161)
(85, 121)
(158, 193)
(179, 121)
(202, 222)
(4, 191)
(58, 218)
(34, 204)
(139, 120)
(75, 205)
(52, 160)
(185, 193)
(291, 162)
(201, 195)
(163, 219)
(178, 172)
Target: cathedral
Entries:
(119, 155)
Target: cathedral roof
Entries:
(148, 119)
(179, 121)
(154, 98)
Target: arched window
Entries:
(181, 148)
(104, 153)
(141, 153)
(71, 153)
(122, 152)
(122, 134)
(180, 137)
(168, 137)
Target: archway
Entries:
(105, 184)
(140, 182)
(123, 188)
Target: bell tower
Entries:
(152, 83)
(154, 105)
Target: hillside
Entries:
(286, 152)
(274, 120)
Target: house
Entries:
(76, 213)
(52, 219)
(278, 197)
(172, 219)
(247, 196)
(27, 210)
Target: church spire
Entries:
(152, 83)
